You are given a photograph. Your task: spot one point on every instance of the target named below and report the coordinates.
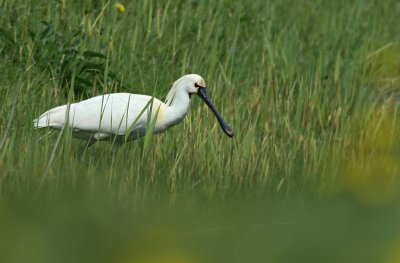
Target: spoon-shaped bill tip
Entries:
(228, 130)
(225, 127)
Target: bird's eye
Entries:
(198, 86)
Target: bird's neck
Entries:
(176, 111)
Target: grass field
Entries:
(311, 89)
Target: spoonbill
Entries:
(126, 116)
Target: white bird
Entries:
(126, 116)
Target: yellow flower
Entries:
(120, 7)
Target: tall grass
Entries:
(311, 89)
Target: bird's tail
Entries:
(41, 121)
(53, 118)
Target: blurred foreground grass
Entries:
(311, 89)
(335, 230)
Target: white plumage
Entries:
(102, 116)
(126, 115)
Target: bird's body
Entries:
(127, 116)
(113, 114)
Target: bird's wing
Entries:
(116, 113)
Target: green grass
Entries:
(311, 89)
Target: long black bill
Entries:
(203, 95)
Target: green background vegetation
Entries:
(311, 89)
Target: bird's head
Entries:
(188, 84)
(195, 84)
